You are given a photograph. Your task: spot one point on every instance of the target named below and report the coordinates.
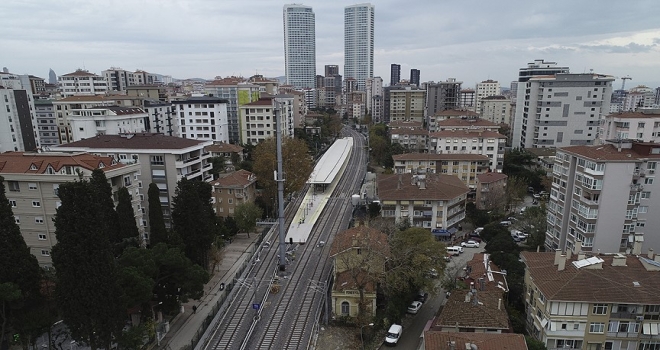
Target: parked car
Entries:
(512, 218)
(536, 195)
(517, 235)
(393, 334)
(422, 296)
(478, 230)
(453, 251)
(433, 273)
(470, 244)
(505, 223)
(414, 307)
(474, 237)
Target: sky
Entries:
(468, 40)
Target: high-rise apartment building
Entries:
(237, 92)
(46, 122)
(18, 124)
(359, 43)
(395, 74)
(496, 109)
(442, 96)
(414, 77)
(82, 82)
(485, 89)
(407, 104)
(299, 46)
(604, 196)
(118, 79)
(561, 110)
(203, 118)
(375, 98)
(467, 101)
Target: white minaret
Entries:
(299, 46)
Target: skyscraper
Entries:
(414, 77)
(299, 46)
(359, 43)
(395, 74)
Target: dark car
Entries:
(422, 297)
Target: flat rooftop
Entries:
(331, 162)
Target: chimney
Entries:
(651, 254)
(619, 260)
(499, 304)
(557, 256)
(581, 255)
(398, 184)
(637, 248)
(578, 246)
(562, 263)
(451, 345)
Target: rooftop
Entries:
(468, 122)
(456, 113)
(144, 141)
(494, 97)
(542, 152)
(435, 340)
(240, 178)
(632, 283)
(357, 237)
(223, 147)
(491, 177)
(38, 163)
(441, 156)
(408, 131)
(436, 187)
(331, 162)
(609, 152)
(86, 98)
(482, 267)
(120, 110)
(487, 311)
(468, 133)
(261, 102)
(201, 99)
(400, 124)
(649, 113)
(80, 73)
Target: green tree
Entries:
(103, 192)
(157, 229)
(218, 166)
(128, 230)
(194, 220)
(19, 270)
(476, 217)
(516, 188)
(534, 223)
(533, 344)
(246, 215)
(87, 291)
(296, 163)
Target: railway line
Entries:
(274, 310)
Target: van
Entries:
(455, 251)
(393, 334)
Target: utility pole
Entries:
(280, 184)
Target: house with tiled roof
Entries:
(31, 181)
(475, 311)
(233, 189)
(491, 190)
(436, 340)
(65, 107)
(582, 300)
(641, 125)
(226, 150)
(424, 200)
(412, 139)
(359, 254)
(470, 141)
(465, 166)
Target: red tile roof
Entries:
(468, 133)
(82, 98)
(482, 314)
(459, 122)
(346, 280)
(408, 131)
(224, 148)
(38, 163)
(400, 123)
(438, 187)
(240, 178)
(439, 157)
(624, 115)
(491, 177)
(456, 113)
(134, 141)
(479, 269)
(606, 153)
(435, 340)
(261, 102)
(79, 73)
(360, 236)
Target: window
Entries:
(42, 237)
(127, 180)
(345, 308)
(648, 181)
(32, 186)
(646, 195)
(17, 220)
(38, 219)
(45, 252)
(36, 204)
(157, 160)
(596, 327)
(599, 309)
(12, 203)
(14, 186)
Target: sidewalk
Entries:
(185, 325)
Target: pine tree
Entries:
(103, 192)
(128, 230)
(194, 219)
(158, 231)
(87, 290)
(20, 273)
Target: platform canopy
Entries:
(331, 162)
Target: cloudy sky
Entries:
(468, 40)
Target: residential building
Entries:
(433, 120)
(561, 110)
(429, 200)
(299, 46)
(18, 122)
(82, 82)
(414, 77)
(438, 340)
(442, 96)
(467, 100)
(464, 124)
(143, 78)
(32, 180)
(545, 159)
(266, 86)
(485, 89)
(233, 189)
(227, 150)
(638, 97)
(203, 118)
(46, 122)
(579, 300)
(405, 124)
(237, 92)
(37, 85)
(359, 255)
(395, 74)
(161, 117)
(154, 92)
(470, 141)
(491, 191)
(407, 104)
(643, 125)
(496, 109)
(465, 166)
(64, 110)
(411, 139)
(258, 119)
(604, 196)
(359, 43)
(118, 79)
(110, 120)
(374, 99)
(162, 159)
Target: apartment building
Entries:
(18, 122)
(64, 110)
(233, 189)
(395, 74)
(118, 79)
(32, 180)
(82, 82)
(46, 122)
(111, 120)
(407, 103)
(496, 109)
(429, 200)
(642, 125)
(161, 117)
(359, 43)
(411, 139)
(604, 196)
(491, 190)
(258, 119)
(561, 110)
(203, 118)
(237, 91)
(154, 92)
(470, 141)
(593, 301)
(299, 46)
(466, 124)
(468, 100)
(465, 166)
(414, 77)
(485, 89)
(374, 89)
(442, 96)
(162, 159)
(433, 120)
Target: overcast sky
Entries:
(468, 40)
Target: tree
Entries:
(218, 166)
(87, 291)
(194, 220)
(516, 188)
(19, 270)
(476, 217)
(246, 215)
(533, 344)
(495, 199)
(296, 163)
(128, 230)
(534, 223)
(158, 231)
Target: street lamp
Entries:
(362, 333)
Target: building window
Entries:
(17, 220)
(32, 186)
(14, 186)
(596, 327)
(36, 204)
(599, 309)
(127, 181)
(12, 203)
(38, 219)
(157, 160)
(42, 237)
(45, 252)
(345, 308)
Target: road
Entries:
(273, 310)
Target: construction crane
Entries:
(623, 81)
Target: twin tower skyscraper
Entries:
(300, 44)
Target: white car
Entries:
(470, 244)
(505, 223)
(393, 334)
(414, 307)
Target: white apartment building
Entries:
(605, 196)
(496, 109)
(18, 123)
(299, 46)
(64, 108)
(643, 125)
(374, 100)
(112, 120)
(46, 122)
(639, 97)
(561, 110)
(203, 118)
(311, 98)
(359, 43)
(470, 141)
(485, 89)
(258, 119)
(118, 79)
(32, 180)
(161, 159)
(468, 100)
(82, 82)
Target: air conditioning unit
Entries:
(639, 318)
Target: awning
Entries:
(440, 233)
(650, 328)
(453, 230)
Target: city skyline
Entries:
(224, 38)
